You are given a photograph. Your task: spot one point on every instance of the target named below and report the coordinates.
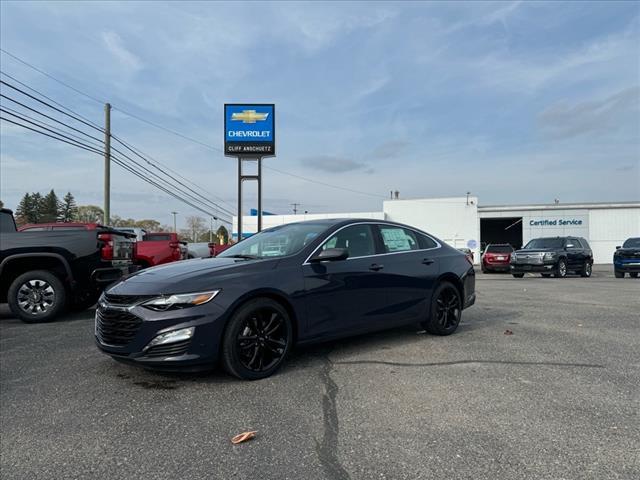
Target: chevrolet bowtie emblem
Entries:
(249, 116)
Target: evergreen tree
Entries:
(50, 208)
(68, 209)
(24, 212)
(36, 208)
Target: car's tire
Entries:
(82, 301)
(618, 274)
(517, 275)
(633, 274)
(36, 296)
(586, 270)
(259, 331)
(561, 269)
(546, 275)
(445, 310)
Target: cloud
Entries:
(390, 149)
(116, 47)
(563, 120)
(327, 163)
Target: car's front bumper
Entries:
(627, 265)
(140, 326)
(532, 268)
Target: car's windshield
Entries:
(499, 249)
(545, 243)
(631, 243)
(276, 242)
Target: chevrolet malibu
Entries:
(289, 285)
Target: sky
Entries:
(516, 102)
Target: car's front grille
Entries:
(531, 259)
(116, 327)
(126, 300)
(169, 350)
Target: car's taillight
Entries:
(106, 252)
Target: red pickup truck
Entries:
(158, 248)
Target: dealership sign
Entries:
(559, 222)
(249, 130)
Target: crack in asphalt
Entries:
(463, 362)
(327, 449)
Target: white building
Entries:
(462, 223)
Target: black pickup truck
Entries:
(44, 272)
(553, 256)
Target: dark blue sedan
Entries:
(293, 284)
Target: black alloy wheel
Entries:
(36, 296)
(586, 270)
(257, 339)
(446, 310)
(561, 269)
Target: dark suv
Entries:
(626, 259)
(553, 256)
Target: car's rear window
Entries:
(157, 237)
(499, 249)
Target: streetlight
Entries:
(175, 230)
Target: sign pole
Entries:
(259, 194)
(239, 198)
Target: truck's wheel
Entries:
(36, 296)
(561, 269)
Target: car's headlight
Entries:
(549, 255)
(183, 300)
(514, 257)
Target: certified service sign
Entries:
(249, 130)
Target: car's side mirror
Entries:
(618, 247)
(330, 255)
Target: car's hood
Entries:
(628, 251)
(188, 275)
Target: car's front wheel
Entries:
(618, 274)
(446, 310)
(561, 269)
(36, 296)
(257, 339)
(633, 274)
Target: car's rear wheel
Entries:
(257, 339)
(586, 270)
(618, 274)
(561, 269)
(518, 275)
(36, 296)
(446, 310)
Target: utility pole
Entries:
(295, 208)
(175, 230)
(107, 163)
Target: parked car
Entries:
(160, 248)
(626, 259)
(334, 278)
(553, 256)
(496, 257)
(199, 250)
(44, 270)
(469, 253)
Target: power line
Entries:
(115, 158)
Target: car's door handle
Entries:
(428, 261)
(376, 266)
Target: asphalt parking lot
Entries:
(558, 399)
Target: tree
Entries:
(90, 214)
(26, 213)
(50, 208)
(223, 235)
(68, 208)
(148, 225)
(196, 228)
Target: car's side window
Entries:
(576, 243)
(357, 239)
(426, 242)
(398, 239)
